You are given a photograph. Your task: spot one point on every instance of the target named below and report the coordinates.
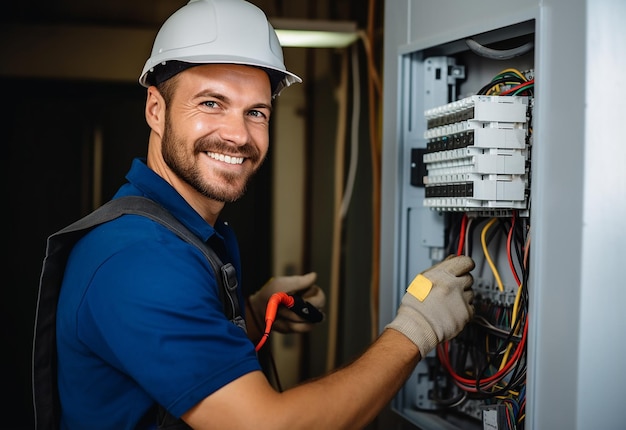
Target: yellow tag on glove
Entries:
(420, 287)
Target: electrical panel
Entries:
(547, 282)
(467, 134)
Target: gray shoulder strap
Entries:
(59, 245)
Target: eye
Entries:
(256, 113)
(210, 103)
(259, 115)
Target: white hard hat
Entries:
(217, 31)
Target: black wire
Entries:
(438, 395)
(516, 379)
(517, 376)
(455, 221)
(467, 347)
(491, 357)
(518, 242)
(525, 294)
(470, 235)
(493, 332)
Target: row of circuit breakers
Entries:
(477, 155)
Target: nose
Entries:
(234, 129)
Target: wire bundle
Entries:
(509, 82)
(487, 361)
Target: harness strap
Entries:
(44, 360)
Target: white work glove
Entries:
(437, 304)
(286, 320)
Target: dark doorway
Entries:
(47, 164)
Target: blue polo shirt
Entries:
(140, 321)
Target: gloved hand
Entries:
(437, 304)
(286, 320)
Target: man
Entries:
(140, 322)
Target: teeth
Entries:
(225, 158)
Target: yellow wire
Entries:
(497, 89)
(516, 303)
(483, 240)
(496, 274)
(514, 71)
(509, 347)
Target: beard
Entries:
(228, 187)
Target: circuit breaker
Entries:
(476, 154)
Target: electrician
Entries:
(140, 323)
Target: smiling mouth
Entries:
(225, 158)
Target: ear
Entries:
(155, 110)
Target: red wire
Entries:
(459, 250)
(508, 250)
(502, 372)
(469, 384)
(517, 87)
(443, 349)
(508, 417)
(262, 341)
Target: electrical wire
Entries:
(483, 241)
(498, 54)
(468, 235)
(513, 323)
(495, 371)
(484, 322)
(481, 384)
(271, 311)
(459, 250)
(525, 87)
(257, 324)
(512, 71)
(504, 80)
(508, 249)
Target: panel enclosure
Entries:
(577, 186)
(458, 145)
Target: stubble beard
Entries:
(187, 168)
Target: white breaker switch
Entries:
(476, 155)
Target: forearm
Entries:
(352, 396)
(348, 398)
(435, 308)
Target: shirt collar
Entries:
(146, 182)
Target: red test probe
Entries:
(294, 303)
